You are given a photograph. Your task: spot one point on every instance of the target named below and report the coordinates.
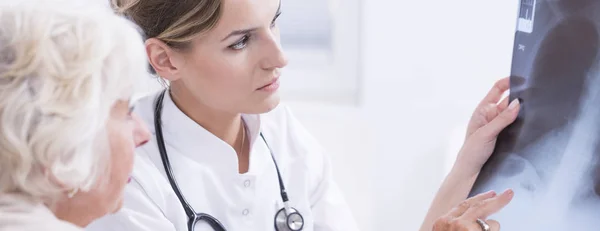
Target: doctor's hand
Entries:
(465, 216)
(487, 121)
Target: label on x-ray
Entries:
(526, 16)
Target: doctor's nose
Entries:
(274, 57)
(141, 134)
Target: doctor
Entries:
(224, 155)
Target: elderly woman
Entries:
(67, 134)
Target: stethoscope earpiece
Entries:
(288, 222)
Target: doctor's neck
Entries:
(225, 125)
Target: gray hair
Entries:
(63, 65)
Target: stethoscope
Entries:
(286, 219)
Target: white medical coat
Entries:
(206, 169)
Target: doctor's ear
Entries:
(165, 61)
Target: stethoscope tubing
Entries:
(194, 217)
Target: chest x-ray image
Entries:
(550, 156)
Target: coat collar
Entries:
(184, 136)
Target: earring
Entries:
(73, 192)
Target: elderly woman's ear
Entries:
(67, 136)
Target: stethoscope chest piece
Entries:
(292, 221)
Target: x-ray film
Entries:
(550, 156)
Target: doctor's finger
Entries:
(491, 130)
(485, 208)
(475, 226)
(494, 95)
(466, 204)
(495, 109)
(503, 105)
(494, 225)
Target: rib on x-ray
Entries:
(550, 156)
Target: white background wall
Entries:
(424, 66)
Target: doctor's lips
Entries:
(271, 86)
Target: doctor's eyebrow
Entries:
(246, 31)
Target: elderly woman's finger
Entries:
(485, 208)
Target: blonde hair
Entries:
(63, 65)
(173, 22)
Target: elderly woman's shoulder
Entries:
(19, 214)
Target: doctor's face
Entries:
(235, 66)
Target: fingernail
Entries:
(513, 105)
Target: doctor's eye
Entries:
(240, 44)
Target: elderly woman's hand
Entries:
(465, 216)
(488, 120)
